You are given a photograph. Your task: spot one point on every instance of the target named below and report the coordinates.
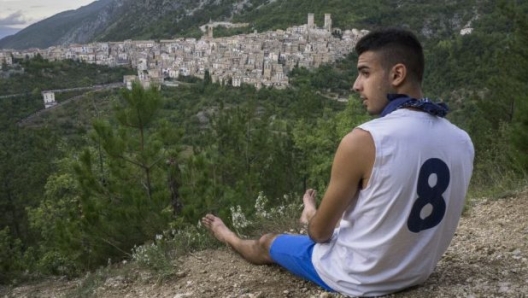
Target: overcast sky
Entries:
(18, 14)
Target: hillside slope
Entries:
(487, 258)
(73, 26)
(117, 20)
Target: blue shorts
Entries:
(294, 252)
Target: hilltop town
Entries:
(259, 59)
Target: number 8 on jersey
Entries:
(429, 195)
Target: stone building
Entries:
(6, 57)
(49, 99)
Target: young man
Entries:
(396, 191)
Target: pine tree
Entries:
(135, 194)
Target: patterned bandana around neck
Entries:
(399, 101)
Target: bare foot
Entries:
(218, 228)
(309, 206)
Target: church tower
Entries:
(311, 23)
(210, 31)
(328, 22)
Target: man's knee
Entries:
(265, 241)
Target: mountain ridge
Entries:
(62, 28)
(118, 20)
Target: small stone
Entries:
(504, 289)
(324, 295)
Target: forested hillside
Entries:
(96, 179)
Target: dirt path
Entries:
(487, 258)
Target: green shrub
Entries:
(10, 256)
(162, 254)
(282, 218)
(496, 171)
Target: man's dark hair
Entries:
(395, 46)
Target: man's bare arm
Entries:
(350, 169)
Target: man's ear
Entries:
(398, 75)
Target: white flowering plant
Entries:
(162, 254)
(279, 219)
(159, 255)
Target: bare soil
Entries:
(487, 258)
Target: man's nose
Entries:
(355, 86)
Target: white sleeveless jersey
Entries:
(399, 226)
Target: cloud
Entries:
(16, 18)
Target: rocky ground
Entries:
(487, 258)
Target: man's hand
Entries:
(310, 206)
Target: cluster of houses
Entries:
(260, 59)
(5, 58)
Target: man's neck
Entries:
(411, 90)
